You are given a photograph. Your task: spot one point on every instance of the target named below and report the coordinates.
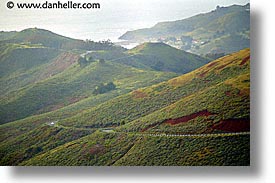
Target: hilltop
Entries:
(49, 39)
(155, 56)
(167, 58)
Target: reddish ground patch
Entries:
(62, 62)
(233, 93)
(223, 66)
(212, 64)
(96, 149)
(245, 60)
(185, 119)
(233, 125)
(139, 94)
(228, 93)
(203, 74)
(244, 92)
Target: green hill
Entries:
(154, 56)
(134, 128)
(197, 33)
(159, 56)
(49, 39)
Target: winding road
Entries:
(106, 130)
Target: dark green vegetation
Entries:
(104, 88)
(56, 111)
(223, 30)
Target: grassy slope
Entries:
(72, 85)
(24, 57)
(28, 82)
(36, 141)
(224, 92)
(163, 57)
(122, 149)
(24, 64)
(28, 130)
(142, 102)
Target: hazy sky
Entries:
(113, 18)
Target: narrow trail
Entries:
(195, 135)
(106, 130)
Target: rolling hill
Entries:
(199, 118)
(218, 31)
(52, 40)
(39, 76)
(155, 56)
(40, 73)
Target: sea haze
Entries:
(110, 21)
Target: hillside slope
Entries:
(219, 108)
(145, 101)
(212, 100)
(71, 85)
(39, 77)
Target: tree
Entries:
(90, 59)
(82, 61)
(104, 88)
(111, 86)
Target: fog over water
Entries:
(114, 18)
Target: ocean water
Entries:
(114, 18)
